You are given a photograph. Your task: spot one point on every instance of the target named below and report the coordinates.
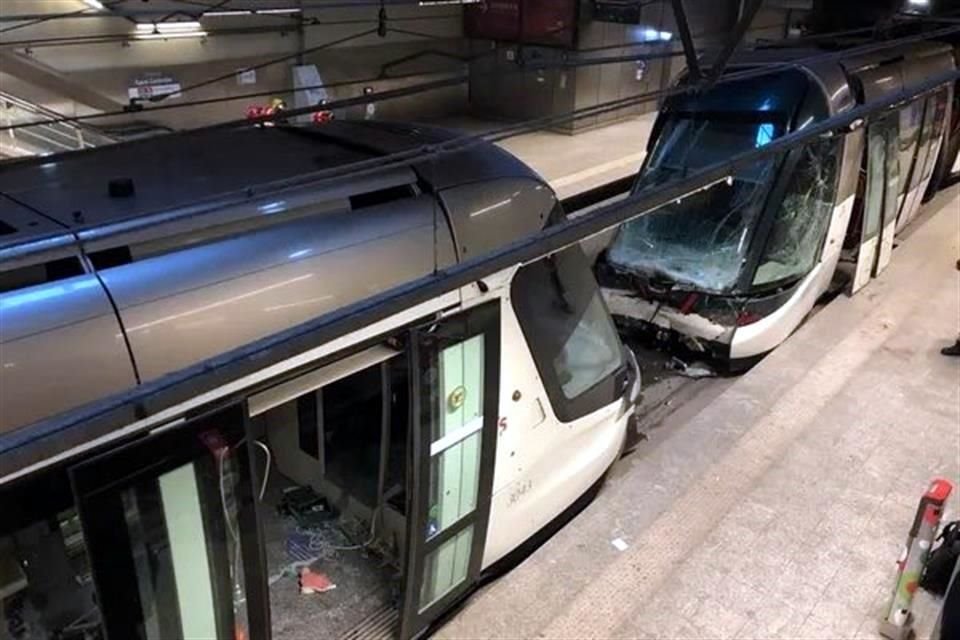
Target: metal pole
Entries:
(683, 25)
(747, 13)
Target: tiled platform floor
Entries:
(572, 164)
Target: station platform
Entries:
(778, 506)
(572, 164)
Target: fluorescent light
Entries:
(178, 27)
(165, 30)
(94, 4)
(166, 36)
(249, 12)
(168, 27)
(919, 3)
(223, 14)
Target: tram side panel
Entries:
(767, 333)
(198, 301)
(61, 345)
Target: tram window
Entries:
(446, 567)
(934, 129)
(455, 435)
(39, 274)
(571, 335)
(165, 517)
(703, 239)
(911, 117)
(352, 419)
(46, 589)
(795, 240)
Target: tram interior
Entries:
(334, 503)
(46, 590)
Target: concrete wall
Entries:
(500, 88)
(108, 68)
(514, 95)
(430, 39)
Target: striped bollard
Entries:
(898, 625)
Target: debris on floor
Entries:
(619, 544)
(693, 370)
(306, 506)
(314, 581)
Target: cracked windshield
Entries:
(701, 241)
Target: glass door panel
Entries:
(172, 531)
(892, 179)
(873, 205)
(456, 401)
(446, 567)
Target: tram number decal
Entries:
(520, 490)
(502, 425)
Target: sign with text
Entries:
(153, 84)
(535, 22)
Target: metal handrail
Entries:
(49, 138)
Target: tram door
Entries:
(455, 412)
(888, 135)
(170, 524)
(880, 202)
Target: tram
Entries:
(732, 271)
(358, 488)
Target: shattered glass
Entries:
(702, 240)
(796, 238)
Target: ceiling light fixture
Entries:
(162, 30)
(168, 36)
(168, 27)
(94, 4)
(226, 13)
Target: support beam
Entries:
(748, 11)
(40, 75)
(683, 25)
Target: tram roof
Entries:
(70, 192)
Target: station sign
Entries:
(153, 84)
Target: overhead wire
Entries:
(427, 86)
(749, 73)
(177, 389)
(137, 105)
(463, 142)
(526, 67)
(274, 61)
(135, 13)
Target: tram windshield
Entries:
(702, 240)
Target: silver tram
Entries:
(399, 463)
(732, 271)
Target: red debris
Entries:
(314, 581)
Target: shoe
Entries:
(953, 350)
(312, 581)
